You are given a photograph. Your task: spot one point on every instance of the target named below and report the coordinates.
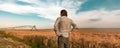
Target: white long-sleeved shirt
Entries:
(63, 26)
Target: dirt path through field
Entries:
(6, 42)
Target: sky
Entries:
(43, 13)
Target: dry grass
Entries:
(22, 33)
(83, 38)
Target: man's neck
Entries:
(63, 16)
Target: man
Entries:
(63, 28)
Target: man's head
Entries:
(63, 12)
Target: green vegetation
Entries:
(41, 41)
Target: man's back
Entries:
(63, 25)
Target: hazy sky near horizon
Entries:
(43, 13)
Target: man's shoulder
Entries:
(64, 18)
(58, 17)
(70, 19)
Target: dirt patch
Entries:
(6, 42)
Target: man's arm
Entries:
(74, 26)
(56, 27)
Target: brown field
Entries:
(110, 36)
(87, 34)
(22, 33)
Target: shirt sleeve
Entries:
(56, 25)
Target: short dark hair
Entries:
(63, 12)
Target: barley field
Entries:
(82, 38)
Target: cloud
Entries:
(94, 20)
(94, 14)
(98, 4)
(102, 19)
(17, 9)
(46, 9)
